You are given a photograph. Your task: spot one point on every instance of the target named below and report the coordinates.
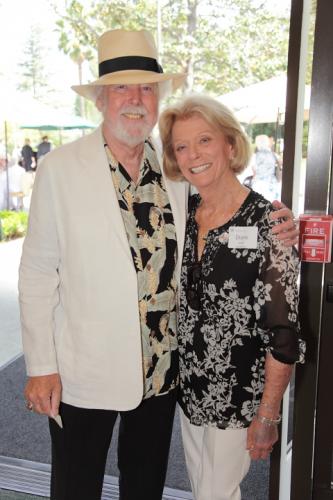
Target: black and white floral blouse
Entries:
(236, 304)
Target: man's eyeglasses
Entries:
(194, 286)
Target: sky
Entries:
(17, 17)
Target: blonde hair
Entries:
(215, 114)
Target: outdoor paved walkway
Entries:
(10, 336)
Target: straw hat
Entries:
(129, 57)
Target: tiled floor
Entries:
(10, 338)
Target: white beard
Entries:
(132, 134)
(123, 135)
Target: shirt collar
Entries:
(148, 161)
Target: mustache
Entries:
(140, 110)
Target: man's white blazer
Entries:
(78, 285)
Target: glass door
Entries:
(313, 412)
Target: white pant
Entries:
(216, 459)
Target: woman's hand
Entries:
(260, 439)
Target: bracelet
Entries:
(269, 421)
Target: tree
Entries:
(34, 76)
(220, 45)
(311, 40)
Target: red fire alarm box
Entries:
(315, 238)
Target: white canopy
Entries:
(27, 112)
(262, 102)
(21, 108)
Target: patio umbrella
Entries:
(57, 120)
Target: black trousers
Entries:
(79, 450)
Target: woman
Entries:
(238, 324)
(266, 170)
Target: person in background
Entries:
(3, 179)
(43, 148)
(238, 314)
(27, 156)
(98, 283)
(16, 176)
(266, 168)
(13, 185)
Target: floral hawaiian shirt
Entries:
(232, 303)
(151, 233)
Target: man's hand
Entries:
(43, 394)
(287, 231)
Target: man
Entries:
(43, 148)
(27, 155)
(98, 283)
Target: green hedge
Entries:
(13, 224)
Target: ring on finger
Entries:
(29, 405)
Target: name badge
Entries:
(243, 237)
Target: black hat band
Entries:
(128, 63)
